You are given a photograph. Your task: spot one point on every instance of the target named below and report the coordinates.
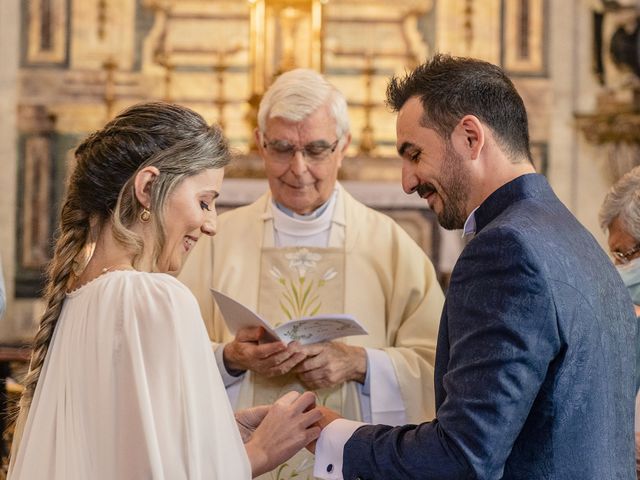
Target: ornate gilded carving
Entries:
(613, 127)
(615, 123)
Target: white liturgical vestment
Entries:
(390, 287)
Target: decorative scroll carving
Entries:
(618, 127)
(615, 123)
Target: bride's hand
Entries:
(289, 425)
(248, 420)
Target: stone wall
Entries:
(69, 67)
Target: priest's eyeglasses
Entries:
(626, 257)
(314, 152)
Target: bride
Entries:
(122, 382)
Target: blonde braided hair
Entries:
(74, 227)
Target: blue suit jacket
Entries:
(535, 361)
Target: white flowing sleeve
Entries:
(175, 419)
(231, 382)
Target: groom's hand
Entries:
(328, 416)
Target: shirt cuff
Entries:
(227, 378)
(329, 448)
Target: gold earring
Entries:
(145, 215)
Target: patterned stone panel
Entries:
(46, 36)
(538, 99)
(524, 40)
(469, 28)
(539, 152)
(36, 180)
(103, 30)
(421, 225)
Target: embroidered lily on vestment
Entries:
(303, 260)
(301, 297)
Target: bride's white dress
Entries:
(130, 390)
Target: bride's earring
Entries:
(145, 215)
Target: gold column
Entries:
(257, 45)
(316, 34)
(285, 34)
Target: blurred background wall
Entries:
(67, 66)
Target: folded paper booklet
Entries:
(304, 330)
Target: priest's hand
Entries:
(249, 419)
(331, 363)
(246, 352)
(289, 426)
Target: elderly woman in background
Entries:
(620, 218)
(122, 382)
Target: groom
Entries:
(535, 360)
